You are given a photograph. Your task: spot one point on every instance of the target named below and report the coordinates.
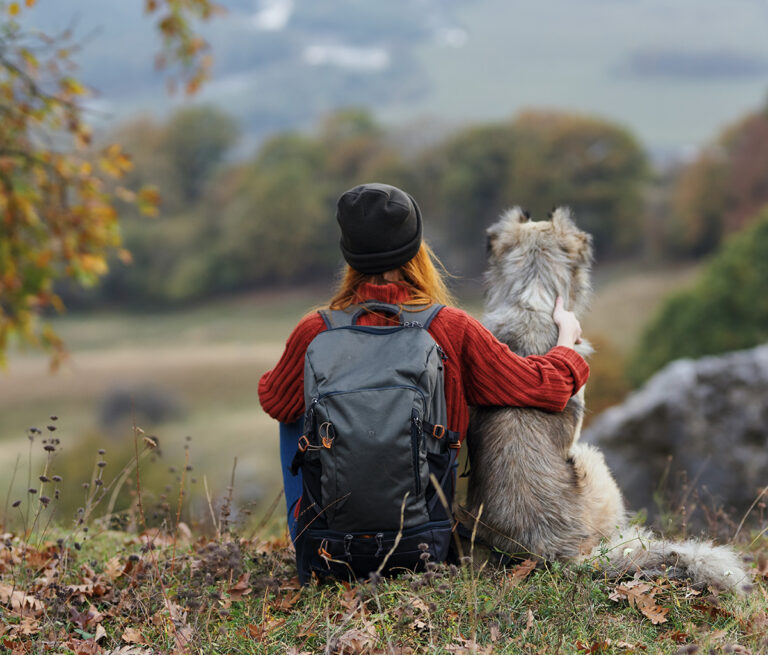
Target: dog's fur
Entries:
(542, 492)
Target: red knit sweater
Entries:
(480, 370)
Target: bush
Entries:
(725, 310)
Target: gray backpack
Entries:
(374, 431)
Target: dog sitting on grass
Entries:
(542, 493)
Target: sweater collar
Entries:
(392, 293)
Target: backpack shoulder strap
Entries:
(414, 315)
(335, 318)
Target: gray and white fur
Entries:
(541, 491)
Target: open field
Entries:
(209, 359)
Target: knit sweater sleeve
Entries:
(281, 390)
(494, 375)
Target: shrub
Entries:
(725, 310)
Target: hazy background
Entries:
(618, 108)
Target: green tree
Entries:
(537, 160)
(276, 214)
(195, 142)
(725, 310)
(595, 167)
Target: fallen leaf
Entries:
(293, 584)
(182, 636)
(523, 570)
(677, 636)
(132, 636)
(20, 602)
(27, 626)
(261, 630)
(241, 587)
(358, 640)
(83, 620)
(84, 647)
(656, 613)
(285, 603)
(114, 568)
(640, 596)
(529, 620)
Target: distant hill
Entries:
(673, 72)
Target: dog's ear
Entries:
(514, 216)
(490, 237)
(579, 243)
(561, 219)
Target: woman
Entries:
(381, 229)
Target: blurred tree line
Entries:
(270, 220)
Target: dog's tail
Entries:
(638, 550)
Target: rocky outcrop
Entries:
(706, 417)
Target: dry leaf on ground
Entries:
(357, 640)
(640, 595)
(523, 570)
(20, 602)
(133, 636)
(241, 588)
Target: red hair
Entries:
(420, 275)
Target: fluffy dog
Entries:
(541, 491)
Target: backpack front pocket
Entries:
(372, 458)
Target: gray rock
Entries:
(707, 418)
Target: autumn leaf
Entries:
(241, 587)
(132, 636)
(655, 613)
(523, 570)
(358, 640)
(20, 602)
(640, 596)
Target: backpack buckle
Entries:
(303, 443)
(438, 431)
(456, 445)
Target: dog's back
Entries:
(521, 474)
(540, 491)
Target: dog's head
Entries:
(533, 262)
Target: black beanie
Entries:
(380, 227)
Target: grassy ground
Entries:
(150, 593)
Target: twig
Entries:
(268, 515)
(178, 508)
(751, 507)
(210, 507)
(150, 546)
(398, 536)
(10, 490)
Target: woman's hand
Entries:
(568, 325)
